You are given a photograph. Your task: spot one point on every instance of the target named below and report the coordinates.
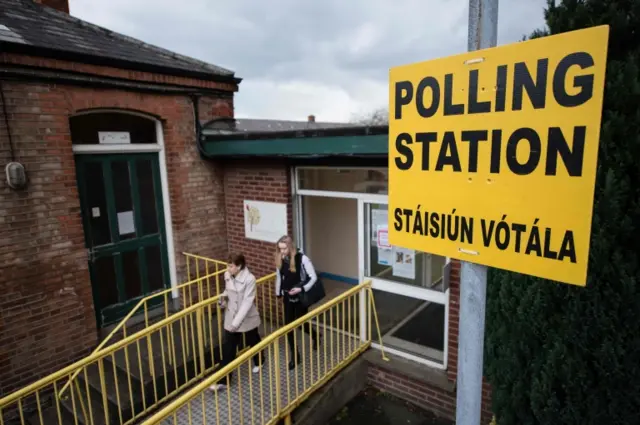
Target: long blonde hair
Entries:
(292, 250)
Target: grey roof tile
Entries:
(7, 35)
(23, 22)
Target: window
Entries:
(87, 128)
(397, 264)
(409, 286)
(409, 324)
(365, 180)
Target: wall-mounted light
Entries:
(16, 175)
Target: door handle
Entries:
(91, 255)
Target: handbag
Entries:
(314, 294)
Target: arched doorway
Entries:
(119, 160)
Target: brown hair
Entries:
(291, 248)
(237, 259)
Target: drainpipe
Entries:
(195, 100)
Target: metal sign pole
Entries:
(483, 33)
(473, 292)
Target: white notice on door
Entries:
(385, 256)
(126, 225)
(385, 252)
(95, 212)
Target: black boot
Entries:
(317, 342)
(292, 363)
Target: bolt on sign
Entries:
(493, 154)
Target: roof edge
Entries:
(300, 157)
(302, 134)
(88, 80)
(347, 144)
(51, 53)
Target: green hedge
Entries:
(558, 354)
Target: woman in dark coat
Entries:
(294, 274)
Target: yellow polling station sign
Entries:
(493, 154)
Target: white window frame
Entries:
(159, 148)
(379, 284)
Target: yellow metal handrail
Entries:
(17, 399)
(184, 289)
(343, 339)
(123, 384)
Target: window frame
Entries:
(403, 289)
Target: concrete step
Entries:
(153, 356)
(122, 390)
(154, 371)
(137, 322)
(93, 405)
(50, 417)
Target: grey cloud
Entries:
(339, 48)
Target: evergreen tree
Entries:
(559, 354)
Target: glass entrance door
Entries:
(409, 288)
(122, 212)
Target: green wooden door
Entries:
(123, 217)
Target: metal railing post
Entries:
(199, 330)
(276, 356)
(362, 315)
(103, 389)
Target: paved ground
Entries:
(373, 407)
(251, 399)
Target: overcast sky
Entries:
(298, 57)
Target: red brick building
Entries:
(122, 178)
(104, 127)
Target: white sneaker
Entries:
(218, 387)
(256, 369)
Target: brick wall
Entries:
(257, 181)
(46, 310)
(431, 398)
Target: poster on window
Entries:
(385, 250)
(404, 263)
(378, 218)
